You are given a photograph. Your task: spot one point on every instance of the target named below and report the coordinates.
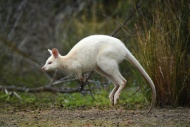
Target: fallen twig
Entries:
(39, 89)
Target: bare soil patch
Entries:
(56, 117)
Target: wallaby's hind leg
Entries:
(118, 92)
(122, 84)
(110, 67)
(116, 85)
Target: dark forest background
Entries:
(156, 32)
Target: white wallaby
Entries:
(101, 53)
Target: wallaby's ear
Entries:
(55, 52)
(50, 52)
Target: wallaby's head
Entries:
(52, 62)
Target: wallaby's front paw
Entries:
(83, 79)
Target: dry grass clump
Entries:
(163, 46)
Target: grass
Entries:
(162, 47)
(76, 100)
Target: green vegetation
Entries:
(163, 43)
(75, 100)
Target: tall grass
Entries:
(162, 44)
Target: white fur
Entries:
(101, 53)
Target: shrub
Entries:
(163, 49)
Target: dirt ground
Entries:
(59, 117)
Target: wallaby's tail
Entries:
(134, 61)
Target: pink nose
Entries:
(43, 69)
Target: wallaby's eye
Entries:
(49, 62)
